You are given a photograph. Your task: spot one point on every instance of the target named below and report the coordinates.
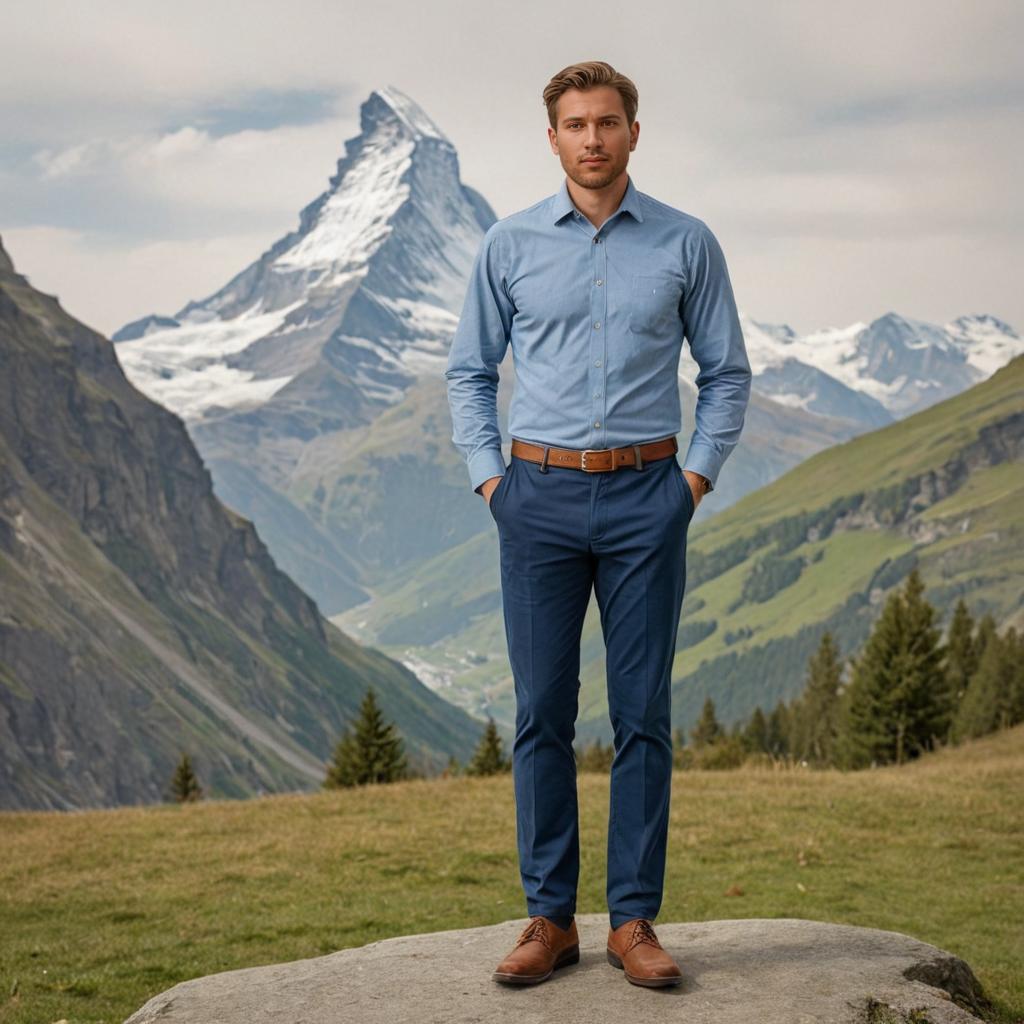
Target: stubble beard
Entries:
(597, 176)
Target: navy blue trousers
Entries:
(623, 533)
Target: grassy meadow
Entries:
(102, 909)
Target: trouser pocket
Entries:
(684, 486)
(499, 491)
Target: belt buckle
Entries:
(583, 459)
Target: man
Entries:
(595, 288)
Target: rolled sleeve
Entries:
(712, 327)
(478, 347)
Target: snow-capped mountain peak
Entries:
(782, 333)
(373, 180)
(980, 323)
(986, 341)
(877, 371)
(410, 113)
(372, 279)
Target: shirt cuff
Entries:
(704, 459)
(484, 464)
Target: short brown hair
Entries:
(586, 75)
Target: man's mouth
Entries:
(595, 160)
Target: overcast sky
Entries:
(852, 159)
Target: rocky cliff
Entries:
(139, 616)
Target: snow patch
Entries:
(182, 367)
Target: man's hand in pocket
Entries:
(487, 488)
(696, 484)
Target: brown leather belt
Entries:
(595, 460)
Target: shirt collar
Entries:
(563, 204)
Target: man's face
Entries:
(593, 140)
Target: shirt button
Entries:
(597, 325)
(599, 282)
(597, 423)
(597, 394)
(597, 362)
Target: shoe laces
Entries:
(643, 931)
(536, 929)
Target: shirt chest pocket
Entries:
(653, 302)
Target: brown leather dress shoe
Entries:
(634, 948)
(541, 949)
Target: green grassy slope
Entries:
(942, 489)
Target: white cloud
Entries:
(247, 170)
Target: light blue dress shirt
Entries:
(596, 318)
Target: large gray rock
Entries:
(779, 971)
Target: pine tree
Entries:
(453, 768)
(894, 708)
(755, 736)
(489, 758)
(778, 743)
(373, 752)
(986, 630)
(925, 687)
(995, 694)
(185, 786)
(707, 729)
(962, 655)
(816, 715)
(1015, 646)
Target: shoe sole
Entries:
(615, 961)
(571, 955)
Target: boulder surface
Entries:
(773, 971)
